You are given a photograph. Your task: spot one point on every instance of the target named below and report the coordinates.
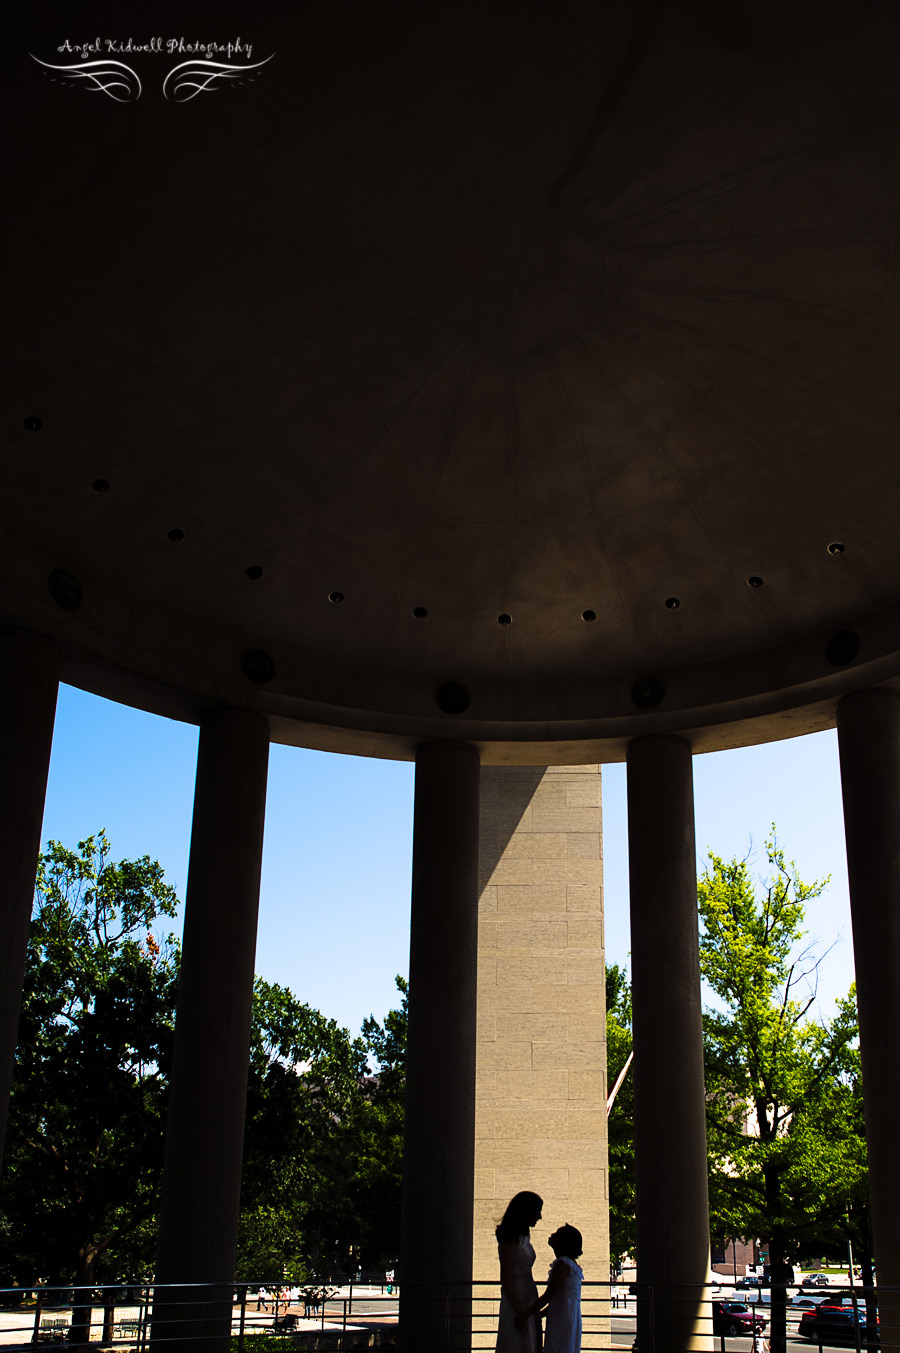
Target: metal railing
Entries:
(458, 1318)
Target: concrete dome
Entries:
(523, 375)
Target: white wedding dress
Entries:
(528, 1339)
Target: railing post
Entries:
(243, 1319)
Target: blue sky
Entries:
(334, 910)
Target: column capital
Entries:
(447, 744)
(225, 713)
(659, 740)
(870, 697)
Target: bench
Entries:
(53, 1330)
(127, 1329)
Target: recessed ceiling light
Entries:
(453, 697)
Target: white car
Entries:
(809, 1299)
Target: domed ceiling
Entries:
(520, 373)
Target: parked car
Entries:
(816, 1280)
(835, 1296)
(836, 1325)
(735, 1317)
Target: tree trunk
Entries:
(778, 1277)
(80, 1331)
(109, 1315)
(82, 1311)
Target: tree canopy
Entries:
(95, 1038)
(83, 1167)
(776, 1077)
(620, 1123)
(324, 1139)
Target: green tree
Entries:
(375, 1133)
(621, 1118)
(87, 1110)
(772, 1071)
(324, 1140)
(846, 1216)
(305, 1070)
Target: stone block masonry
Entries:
(540, 1120)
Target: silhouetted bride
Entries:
(517, 1286)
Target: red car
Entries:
(734, 1317)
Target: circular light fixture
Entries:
(254, 572)
(452, 697)
(648, 692)
(100, 486)
(32, 424)
(672, 603)
(754, 581)
(420, 612)
(257, 666)
(175, 534)
(842, 648)
(836, 547)
(335, 597)
(504, 619)
(589, 615)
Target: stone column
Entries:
(205, 1133)
(869, 740)
(540, 1117)
(672, 1206)
(29, 682)
(439, 1141)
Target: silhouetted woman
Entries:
(517, 1286)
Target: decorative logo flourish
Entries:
(113, 78)
(183, 82)
(186, 81)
